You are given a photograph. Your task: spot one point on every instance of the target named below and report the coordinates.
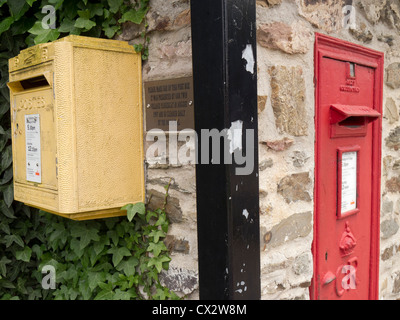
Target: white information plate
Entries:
(32, 144)
(349, 181)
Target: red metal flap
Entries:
(339, 112)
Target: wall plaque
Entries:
(169, 100)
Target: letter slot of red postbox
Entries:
(348, 107)
(351, 121)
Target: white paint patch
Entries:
(246, 213)
(248, 55)
(235, 136)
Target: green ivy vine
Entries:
(108, 259)
(48, 20)
(114, 258)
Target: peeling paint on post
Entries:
(248, 55)
(225, 92)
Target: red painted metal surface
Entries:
(349, 81)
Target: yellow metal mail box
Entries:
(76, 113)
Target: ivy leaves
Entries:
(18, 8)
(6, 173)
(103, 18)
(137, 14)
(43, 35)
(99, 19)
(112, 258)
(6, 24)
(103, 259)
(151, 254)
(24, 255)
(85, 234)
(118, 254)
(133, 209)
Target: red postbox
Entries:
(349, 81)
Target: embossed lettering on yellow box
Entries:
(76, 112)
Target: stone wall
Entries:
(170, 56)
(286, 109)
(285, 35)
(286, 133)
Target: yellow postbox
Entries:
(77, 137)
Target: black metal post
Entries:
(225, 95)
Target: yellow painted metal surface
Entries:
(77, 127)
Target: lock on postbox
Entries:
(347, 174)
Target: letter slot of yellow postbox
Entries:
(77, 127)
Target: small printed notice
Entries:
(32, 143)
(349, 181)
